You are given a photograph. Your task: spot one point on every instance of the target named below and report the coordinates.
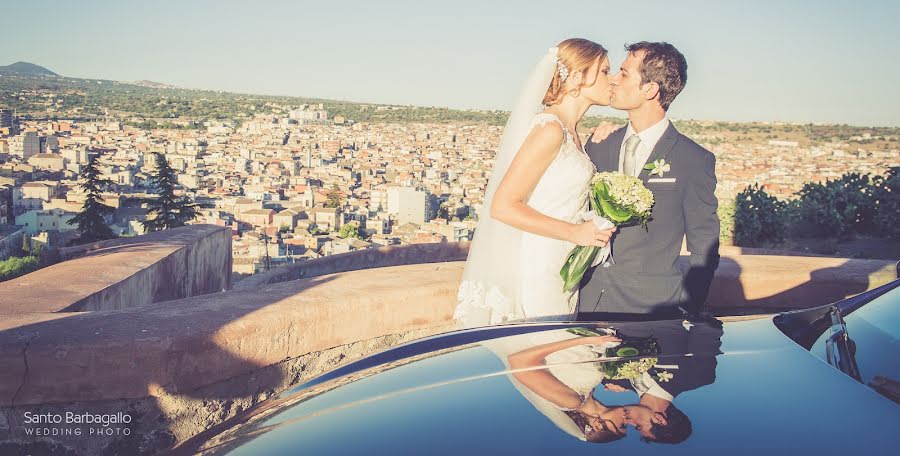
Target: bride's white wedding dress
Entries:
(534, 290)
(562, 193)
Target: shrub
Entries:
(886, 201)
(759, 218)
(13, 267)
(726, 220)
(836, 208)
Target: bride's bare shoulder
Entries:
(546, 133)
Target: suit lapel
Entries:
(663, 148)
(614, 148)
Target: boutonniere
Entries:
(659, 167)
(664, 376)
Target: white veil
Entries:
(489, 291)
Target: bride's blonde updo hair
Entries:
(577, 54)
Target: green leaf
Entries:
(650, 166)
(614, 213)
(576, 264)
(604, 206)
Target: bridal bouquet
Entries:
(616, 199)
(646, 348)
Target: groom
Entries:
(641, 276)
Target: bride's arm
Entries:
(526, 169)
(541, 381)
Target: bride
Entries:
(536, 195)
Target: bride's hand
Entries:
(602, 131)
(587, 234)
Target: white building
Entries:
(51, 220)
(408, 204)
(32, 195)
(77, 155)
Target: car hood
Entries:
(744, 387)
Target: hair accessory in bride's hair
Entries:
(563, 71)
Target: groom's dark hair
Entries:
(677, 429)
(664, 65)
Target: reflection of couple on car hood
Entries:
(549, 369)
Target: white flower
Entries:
(659, 167)
(664, 376)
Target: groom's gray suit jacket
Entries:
(644, 278)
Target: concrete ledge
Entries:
(179, 346)
(129, 272)
(747, 278)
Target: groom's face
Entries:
(626, 84)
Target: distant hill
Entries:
(164, 104)
(25, 68)
(153, 84)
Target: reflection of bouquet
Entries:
(616, 199)
(644, 347)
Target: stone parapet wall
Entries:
(127, 272)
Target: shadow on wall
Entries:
(167, 383)
(825, 285)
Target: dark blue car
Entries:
(824, 380)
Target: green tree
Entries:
(443, 211)
(91, 223)
(349, 230)
(168, 210)
(333, 197)
(26, 244)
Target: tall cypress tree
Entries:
(91, 224)
(168, 210)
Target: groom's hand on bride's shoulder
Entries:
(602, 131)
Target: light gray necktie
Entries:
(631, 145)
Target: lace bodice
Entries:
(562, 191)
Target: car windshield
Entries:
(872, 333)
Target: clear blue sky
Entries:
(802, 61)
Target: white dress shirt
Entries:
(646, 384)
(649, 138)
